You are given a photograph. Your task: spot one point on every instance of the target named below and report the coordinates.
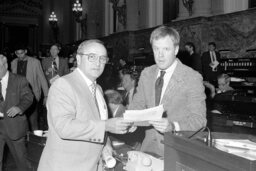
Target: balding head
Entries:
(3, 65)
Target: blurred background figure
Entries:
(54, 66)
(31, 68)
(193, 59)
(210, 63)
(129, 83)
(114, 101)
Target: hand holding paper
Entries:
(151, 114)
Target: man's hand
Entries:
(13, 111)
(118, 125)
(162, 125)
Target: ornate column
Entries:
(194, 8)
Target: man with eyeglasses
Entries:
(78, 116)
(31, 68)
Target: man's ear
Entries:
(78, 59)
(177, 50)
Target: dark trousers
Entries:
(17, 149)
(32, 114)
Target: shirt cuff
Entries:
(176, 126)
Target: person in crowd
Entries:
(172, 84)
(223, 85)
(78, 117)
(129, 82)
(115, 103)
(210, 64)
(31, 68)
(194, 59)
(15, 98)
(123, 64)
(55, 66)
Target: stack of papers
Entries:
(154, 113)
(240, 147)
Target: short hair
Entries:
(212, 43)
(113, 96)
(86, 42)
(20, 46)
(190, 44)
(57, 45)
(133, 73)
(163, 31)
(226, 77)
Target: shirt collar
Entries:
(171, 68)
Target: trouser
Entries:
(32, 114)
(17, 149)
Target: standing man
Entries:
(31, 69)
(210, 62)
(194, 59)
(15, 98)
(77, 116)
(54, 66)
(174, 85)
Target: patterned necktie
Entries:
(93, 86)
(158, 87)
(54, 65)
(1, 95)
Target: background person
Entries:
(174, 85)
(78, 117)
(31, 68)
(54, 66)
(15, 98)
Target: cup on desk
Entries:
(38, 132)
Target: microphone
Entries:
(208, 139)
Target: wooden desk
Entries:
(183, 154)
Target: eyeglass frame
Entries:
(95, 57)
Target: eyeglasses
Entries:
(92, 57)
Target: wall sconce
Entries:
(188, 4)
(53, 21)
(77, 10)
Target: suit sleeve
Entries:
(41, 77)
(63, 106)
(26, 95)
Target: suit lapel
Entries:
(174, 82)
(87, 93)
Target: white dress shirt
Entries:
(4, 83)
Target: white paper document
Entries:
(240, 147)
(154, 113)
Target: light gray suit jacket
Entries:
(34, 75)
(183, 101)
(76, 132)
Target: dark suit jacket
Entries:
(183, 102)
(208, 74)
(18, 94)
(62, 70)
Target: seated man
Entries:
(116, 109)
(223, 85)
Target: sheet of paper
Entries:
(154, 113)
(240, 147)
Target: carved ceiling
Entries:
(20, 7)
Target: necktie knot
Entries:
(162, 74)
